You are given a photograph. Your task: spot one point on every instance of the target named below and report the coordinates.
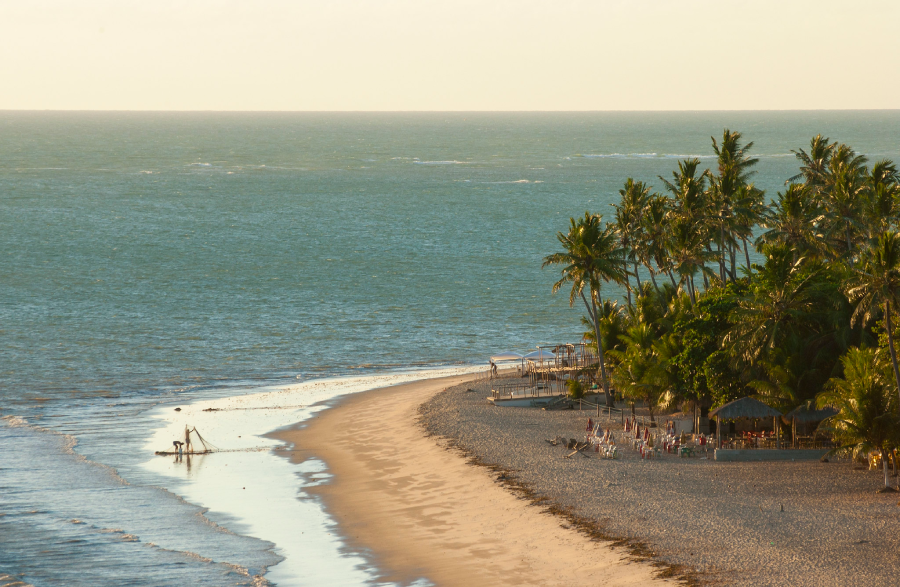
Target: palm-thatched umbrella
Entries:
(804, 414)
(746, 407)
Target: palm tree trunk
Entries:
(592, 312)
(653, 279)
(890, 333)
(733, 255)
(691, 290)
(628, 285)
(747, 255)
(705, 283)
(672, 278)
(637, 277)
(722, 253)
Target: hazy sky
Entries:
(449, 55)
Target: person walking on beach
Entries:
(493, 369)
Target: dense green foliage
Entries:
(710, 327)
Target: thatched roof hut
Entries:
(746, 407)
(804, 414)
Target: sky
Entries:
(463, 55)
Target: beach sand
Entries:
(425, 512)
(750, 524)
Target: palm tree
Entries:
(686, 245)
(779, 299)
(876, 287)
(733, 173)
(689, 190)
(842, 196)
(591, 254)
(866, 406)
(792, 222)
(815, 164)
(654, 238)
(638, 374)
(628, 219)
(880, 206)
(689, 233)
(749, 210)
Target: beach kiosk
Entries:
(802, 417)
(746, 407)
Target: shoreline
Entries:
(249, 488)
(422, 511)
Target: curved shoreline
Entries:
(425, 512)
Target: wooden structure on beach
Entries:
(746, 407)
(545, 374)
(568, 361)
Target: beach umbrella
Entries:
(540, 355)
(506, 356)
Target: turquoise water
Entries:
(159, 257)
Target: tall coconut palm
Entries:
(881, 205)
(842, 196)
(815, 164)
(629, 211)
(592, 254)
(734, 171)
(690, 215)
(749, 210)
(653, 252)
(876, 289)
(686, 246)
(793, 221)
(689, 190)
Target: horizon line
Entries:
(212, 111)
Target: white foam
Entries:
(259, 488)
(618, 156)
(517, 181)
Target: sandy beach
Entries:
(722, 523)
(423, 511)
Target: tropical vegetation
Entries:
(701, 324)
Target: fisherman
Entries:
(187, 439)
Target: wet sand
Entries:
(423, 511)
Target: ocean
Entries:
(155, 260)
